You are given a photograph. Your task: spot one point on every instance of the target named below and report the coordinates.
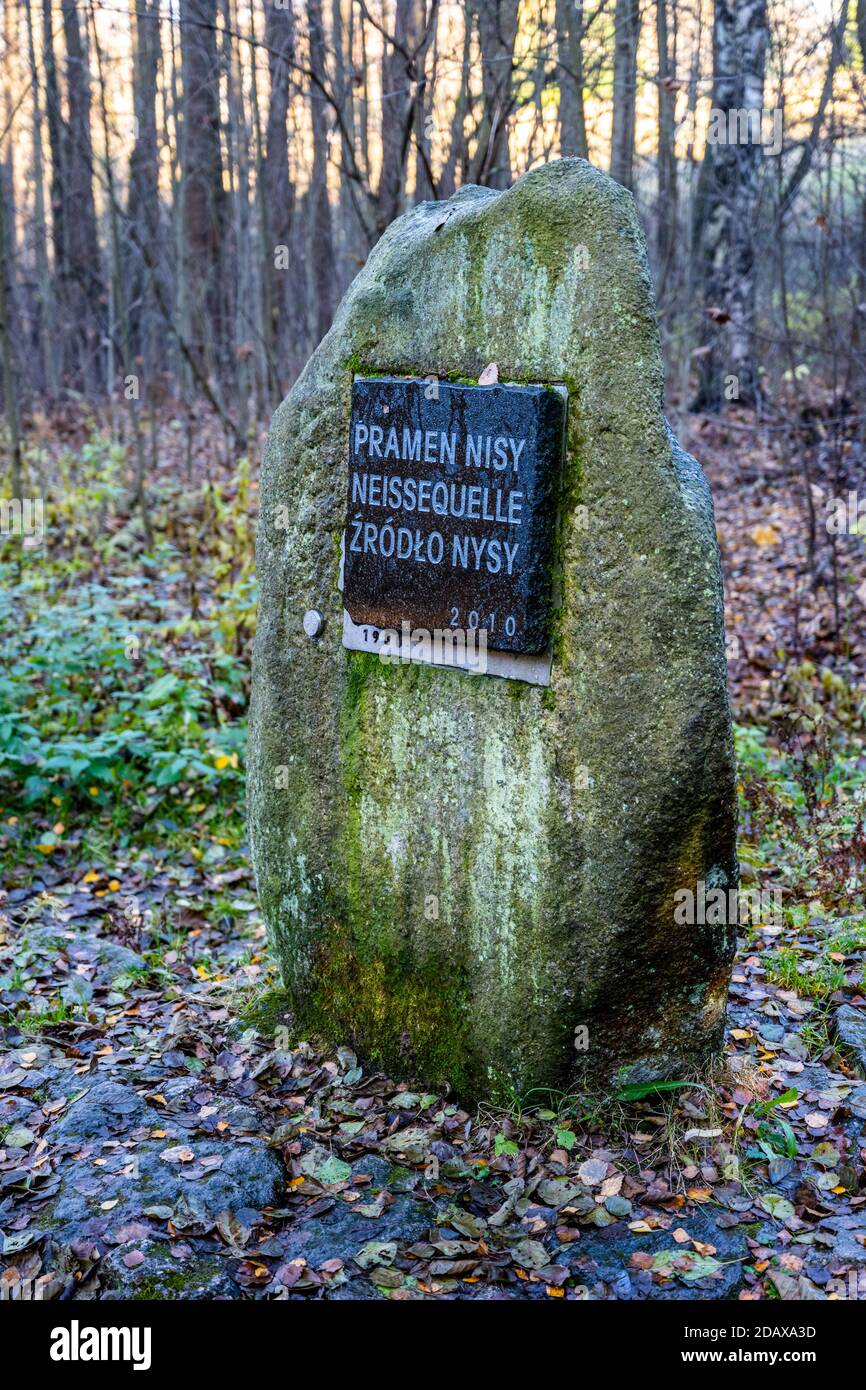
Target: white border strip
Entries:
(515, 666)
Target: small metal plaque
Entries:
(451, 508)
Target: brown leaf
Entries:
(641, 1259)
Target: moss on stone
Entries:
(171, 1284)
(268, 1011)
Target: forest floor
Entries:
(163, 1136)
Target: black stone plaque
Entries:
(451, 508)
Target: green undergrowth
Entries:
(802, 783)
(124, 684)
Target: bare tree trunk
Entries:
(726, 206)
(241, 297)
(279, 201)
(55, 136)
(86, 289)
(173, 139)
(497, 33)
(56, 143)
(397, 116)
(627, 24)
(455, 167)
(752, 43)
(203, 196)
(424, 184)
(666, 212)
(10, 389)
(569, 50)
(44, 327)
(857, 330)
(321, 240)
(143, 205)
(7, 169)
(357, 207)
(267, 380)
(132, 380)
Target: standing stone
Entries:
(458, 870)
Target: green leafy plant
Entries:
(775, 1138)
(642, 1090)
(100, 707)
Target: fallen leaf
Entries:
(766, 535)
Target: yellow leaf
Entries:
(91, 876)
(766, 535)
(221, 762)
(551, 1292)
(113, 885)
(46, 849)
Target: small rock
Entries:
(856, 1102)
(106, 1108)
(851, 1032)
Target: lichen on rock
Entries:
(458, 871)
